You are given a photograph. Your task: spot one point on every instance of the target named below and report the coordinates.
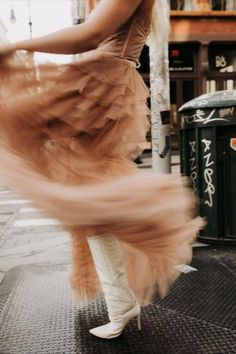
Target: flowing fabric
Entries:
(68, 134)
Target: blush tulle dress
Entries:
(68, 134)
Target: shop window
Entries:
(222, 67)
(181, 91)
(183, 5)
(223, 5)
(181, 58)
(220, 84)
(229, 84)
(211, 86)
(222, 59)
(188, 89)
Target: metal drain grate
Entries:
(208, 294)
(198, 316)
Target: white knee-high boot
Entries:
(120, 300)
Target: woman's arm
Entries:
(103, 22)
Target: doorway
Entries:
(181, 91)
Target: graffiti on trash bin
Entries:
(218, 98)
(193, 164)
(199, 117)
(224, 112)
(208, 172)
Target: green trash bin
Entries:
(208, 157)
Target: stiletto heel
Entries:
(139, 322)
(114, 328)
(120, 300)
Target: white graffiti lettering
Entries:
(207, 144)
(210, 189)
(199, 117)
(208, 158)
(193, 147)
(226, 112)
(192, 161)
(208, 172)
(193, 165)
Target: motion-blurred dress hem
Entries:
(68, 134)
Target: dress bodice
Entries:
(130, 38)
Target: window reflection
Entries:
(229, 85)
(218, 5)
(183, 5)
(223, 5)
(210, 86)
(214, 5)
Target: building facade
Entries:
(202, 51)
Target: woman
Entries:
(67, 134)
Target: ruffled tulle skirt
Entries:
(68, 135)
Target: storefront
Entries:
(202, 51)
(195, 68)
(210, 5)
(190, 77)
(222, 66)
(184, 65)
